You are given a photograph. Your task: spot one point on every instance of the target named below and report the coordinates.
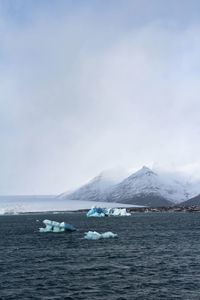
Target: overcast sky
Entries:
(90, 85)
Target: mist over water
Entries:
(156, 256)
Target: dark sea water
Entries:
(157, 256)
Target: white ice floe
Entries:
(118, 212)
(53, 226)
(94, 235)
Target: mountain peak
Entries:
(114, 175)
(145, 168)
(145, 171)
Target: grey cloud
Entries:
(76, 99)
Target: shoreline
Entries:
(176, 209)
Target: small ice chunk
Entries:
(94, 235)
(108, 234)
(53, 226)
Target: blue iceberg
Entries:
(107, 212)
(53, 226)
(94, 235)
(97, 212)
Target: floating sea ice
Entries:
(94, 235)
(96, 212)
(53, 226)
(107, 212)
(119, 212)
(67, 226)
(108, 234)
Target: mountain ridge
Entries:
(195, 201)
(143, 187)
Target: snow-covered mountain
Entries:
(144, 187)
(98, 188)
(195, 201)
(145, 184)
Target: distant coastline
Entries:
(176, 209)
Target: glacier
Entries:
(53, 226)
(107, 212)
(94, 235)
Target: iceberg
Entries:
(94, 235)
(118, 212)
(107, 212)
(97, 212)
(53, 226)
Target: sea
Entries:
(156, 256)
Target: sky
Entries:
(90, 85)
